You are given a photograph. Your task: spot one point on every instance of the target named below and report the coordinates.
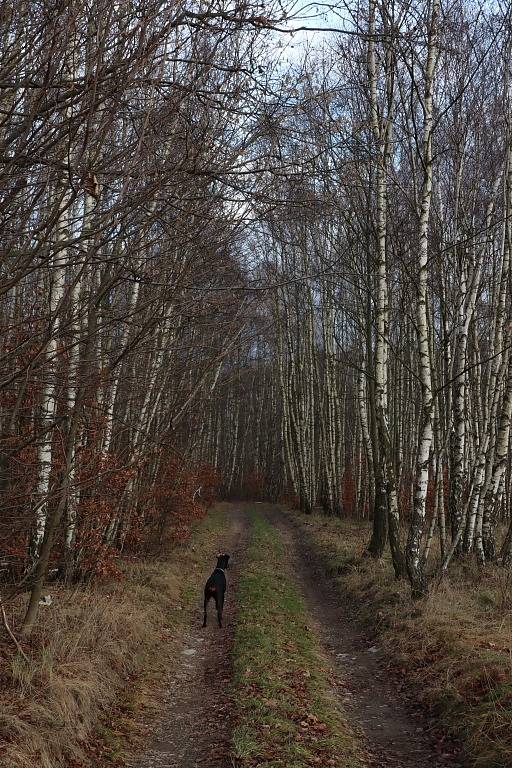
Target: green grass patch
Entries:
(286, 713)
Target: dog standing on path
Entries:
(216, 587)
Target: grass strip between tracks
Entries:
(286, 712)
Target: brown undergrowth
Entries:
(95, 657)
(454, 648)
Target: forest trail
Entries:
(397, 734)
(197, 718)
(196, 723)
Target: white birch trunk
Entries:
(413, 550)
(51, 384)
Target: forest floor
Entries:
(98, 656)
(195, 725)
(451, 652)
(202, 708)
(323, 660)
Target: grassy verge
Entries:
(286, 715)
(455, 647)
(97, 656)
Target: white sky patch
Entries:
(317, 26)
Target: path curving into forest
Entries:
(197, 719)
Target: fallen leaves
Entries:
(312, 723)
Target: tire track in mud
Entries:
(196, 720)
(396, 733)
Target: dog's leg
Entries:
(206, 598)
(220, 607)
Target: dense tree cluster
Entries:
(283, 280)
(384, 243)
(121, 129)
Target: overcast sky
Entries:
(320, 20)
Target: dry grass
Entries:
(94, 652)
(455, 647)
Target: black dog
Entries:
(216, 587)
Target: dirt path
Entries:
(195, 725)
(397, 735)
